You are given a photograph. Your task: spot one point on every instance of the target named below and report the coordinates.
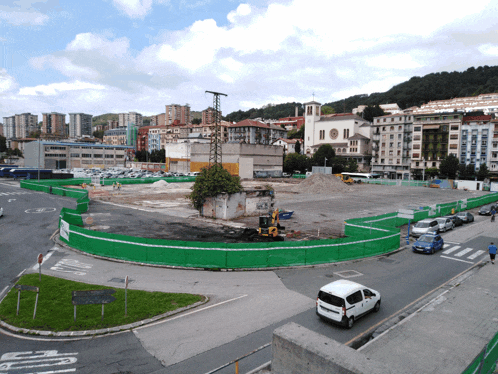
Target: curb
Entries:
(110, 330)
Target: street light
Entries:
(39, 148)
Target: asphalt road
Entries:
(244, 307)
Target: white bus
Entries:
(359, 176)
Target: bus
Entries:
(358, 177)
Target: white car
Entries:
(445, 224)
(343, 302)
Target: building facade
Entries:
(255, 132)
(208, 116)
(158, 120)
(25, 124)
(131, 118)
(177, 115)
(392, 145)
(54, 124)
(476, 142)
(62, 155)
(116, 136)
(434, 137)
(9, 124)
(80, 125)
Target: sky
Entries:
(117, 56)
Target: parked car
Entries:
(343, 302)
(426, 226)
(445, 224)
(486, 209)
(466, 217)
(457, 221)
(428, 243)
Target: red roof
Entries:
(250, 123)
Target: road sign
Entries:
(405, 213)
(93, 297)
(40, 258)
(22, 287)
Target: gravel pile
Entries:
(321, 184)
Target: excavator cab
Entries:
(267, 225)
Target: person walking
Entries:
(493, 213)
(492, 252)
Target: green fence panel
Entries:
(491, 356)
(238, 259)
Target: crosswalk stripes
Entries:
(459, 253)
(13, 193)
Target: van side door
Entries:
(356, 302)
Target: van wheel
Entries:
(377, 307)
(350, 322)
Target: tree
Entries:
(449, 166)
(3, 143)
(462, 172)
(483, 172)
(352, 166)
(297, 147)
(431, 172)
(327, 109)
(339, 165)
(98, 134)
(296, 134)
(323, 156)
(372, 111)
(196, 121)
(417, 174)
(296, 162)
(211, 182)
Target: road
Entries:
(244, 307)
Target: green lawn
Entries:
(55, 311)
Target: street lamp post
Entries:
(39, 150)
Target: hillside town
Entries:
(402, 144)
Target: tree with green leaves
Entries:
(3, 143)
(212, 181)
(296, 161)
(372, 111)
(297, 147)
(296, 134)
(323, 156)
(449, 166)
(327, 110)
(352, 166)
(196, 121)
(483, 172)
(431, 172)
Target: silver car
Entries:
(426, 226)
(445, 224)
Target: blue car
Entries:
(428, 243)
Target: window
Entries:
(399, 144)
(399, 152)
(454, 127)
(400, 136)
(417, 128)
(391, 136)
(75, 155)
(346, 133)
(322, 134)
(391, 145)
(400, 128)
(309, 110)
(391, 128)
(109, 156)
(355, 298)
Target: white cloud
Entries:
(488, 49)
(57, 88)
(65, 66)
(393, 61)
(134, 8)
(7, 83)
(94, 42)
(23, 18)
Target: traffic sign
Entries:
(40, 258)
(93, 297)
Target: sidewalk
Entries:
(446, 335)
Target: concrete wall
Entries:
(246, 167)
(296, 349)
(470, 185)
(229, 206)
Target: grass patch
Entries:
(55, 311)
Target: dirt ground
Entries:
(320, 203)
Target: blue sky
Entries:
(112, 56)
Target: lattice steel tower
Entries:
(215, 147)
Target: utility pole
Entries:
(215, 146)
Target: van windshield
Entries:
(331, 299)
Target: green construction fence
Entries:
(365, 237)
(485, 362)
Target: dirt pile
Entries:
(322, 184)
(163, 185)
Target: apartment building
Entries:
(116, 136)
(255, 132)
(80, 125)
(158, 120)
(54, 124)
(205, 130)
(25, 124)
(9, 124)
(387, 108)
(177, 115)
(476, 146)
(61, 155)
(209, 116)
(487, 103)
(392, 145)
(289, 145)
(156, 137)
(435, 135)
(131, 118)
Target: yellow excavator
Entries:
(267, 226)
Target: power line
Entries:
(215, 145)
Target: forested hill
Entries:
(414, 92)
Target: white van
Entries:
(343, 302)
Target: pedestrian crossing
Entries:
(456, 252)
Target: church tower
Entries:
(312, 111)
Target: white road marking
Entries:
(451, 249)
(452, 243)
(465, 251)
(71, 266)
(29, 359)
(479, 252)
(457, 259)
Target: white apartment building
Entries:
(392, 145)
(131, 118)
(9, 124)
(487, 103)
(476, 143)
(80, 124)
